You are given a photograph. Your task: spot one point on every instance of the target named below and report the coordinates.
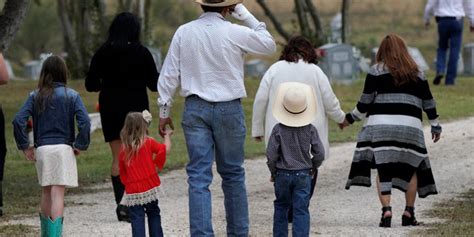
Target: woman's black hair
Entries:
(124, 30)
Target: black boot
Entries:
(123, 214)
(411, 220)
(386, 221)
(437, 79)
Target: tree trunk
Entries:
(74, 58)
(346, 28)
(302, 20)
(278, 26)
(318, 29)
(12, 15)
(147, 36)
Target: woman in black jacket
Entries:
(121, 70)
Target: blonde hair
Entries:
(133, 134)
(393, 53)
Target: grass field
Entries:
(457, 215)
(21, 191)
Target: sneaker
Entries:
(437, 79)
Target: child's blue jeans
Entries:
(137, 217)
(292, 187)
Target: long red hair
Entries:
(393, 54)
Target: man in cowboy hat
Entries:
(206, 59)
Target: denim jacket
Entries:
(55, 125)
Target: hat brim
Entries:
(220, 4)
(287, 118)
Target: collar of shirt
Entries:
(211, 14)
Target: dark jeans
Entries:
(292, 187)
(137, 217)
(313, 185)
(450, 37)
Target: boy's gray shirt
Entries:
(294, 148)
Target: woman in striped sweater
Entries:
(391, 140)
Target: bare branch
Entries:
(346, 29)
(278, 26)
(302, 20)
(316, 20)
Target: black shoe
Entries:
(437, 79)
(386, 221)
(410, 221)
(123, 213)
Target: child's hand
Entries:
(344, 124)
(30, 153)
(272, 179)
(258, 139)
(77, 152)
(169, 132)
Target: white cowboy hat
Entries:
(218, 3)
(295, 104)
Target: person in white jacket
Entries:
(297, 64)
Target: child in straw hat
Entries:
(294, 153)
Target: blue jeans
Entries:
(137, 217)
(292, 187)
(215, 131)
(450, 36)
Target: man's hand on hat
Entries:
(240, 12)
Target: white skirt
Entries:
(56, 165)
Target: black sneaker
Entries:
(437, 79)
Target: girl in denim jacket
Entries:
(53, 108)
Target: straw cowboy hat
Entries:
(295, 104)
(218, 3)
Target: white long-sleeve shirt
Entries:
(327, 104)
(206, 58)
(450, 8)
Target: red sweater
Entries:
(140, 175)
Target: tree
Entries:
(11, 17)
(309, 22)
(84, 26)
(346, 29)
(38, 33)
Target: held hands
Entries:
(168, 132)
(30, 153)
(77, 152)
(344, 124)
(163, 123)
(258, 139)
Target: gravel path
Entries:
(334, 210)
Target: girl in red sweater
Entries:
(140, 159)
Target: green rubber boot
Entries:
(55, 228)
(44, 225)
